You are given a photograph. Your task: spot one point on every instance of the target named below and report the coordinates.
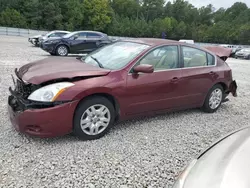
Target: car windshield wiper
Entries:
(96, 60)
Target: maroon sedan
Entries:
(122, 80)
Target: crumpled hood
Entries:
(53, 68)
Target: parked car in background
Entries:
(76, 42)
(119, 81)
(36, 40)
(243, 53)
(234, 48)
(223, 165)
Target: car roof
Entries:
(60, 31)
(97, 32)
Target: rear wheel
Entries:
(62, 50)
(214, 99)
(93, 118)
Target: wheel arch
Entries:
(108, 96)
(224, 86)
(62, 44)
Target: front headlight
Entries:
(182, 177)
(49, 93)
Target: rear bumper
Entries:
(43, 122)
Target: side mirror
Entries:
(144, 68)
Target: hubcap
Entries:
(62, 50)
(95, 119)
(215, 99)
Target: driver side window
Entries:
(162, 58)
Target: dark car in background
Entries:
(223, 165)
(244, 53)
(36, 40)
(76, 42)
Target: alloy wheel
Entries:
(215, 98)
(62, 50)
(95, 119)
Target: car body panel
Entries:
(224, 165)
(45, 123)
(135, 94)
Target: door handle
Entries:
(174, 80)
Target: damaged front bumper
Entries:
(42, 119)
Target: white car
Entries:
(36, 40)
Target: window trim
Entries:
(152, 49)
(182, 60)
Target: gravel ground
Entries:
(147, 152)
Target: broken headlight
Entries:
(50, 92)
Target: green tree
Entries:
(73, 14)
(12, 18)
(97, 14)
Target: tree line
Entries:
(132, 18)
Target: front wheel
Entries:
(214, 99)
(93, 118)
(62, 50)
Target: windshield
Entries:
(115, 56)
(69, 35)
(49, 33)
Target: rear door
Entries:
(158, 90)
(198, 75)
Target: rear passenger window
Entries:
(210, 59)
(93, 35)
(194, 57)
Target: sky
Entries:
(217, 3)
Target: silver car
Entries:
(36, 40)
(243, 53)
(224, 165)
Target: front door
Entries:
(78, 45)
(157, 90)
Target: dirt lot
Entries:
(141, 153)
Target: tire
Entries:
(217, 92)
(83, 113)
(62, 50)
